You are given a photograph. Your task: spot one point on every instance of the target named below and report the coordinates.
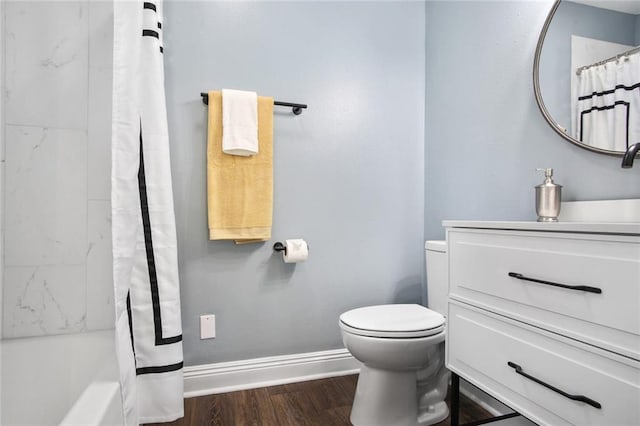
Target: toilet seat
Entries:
(392, 321)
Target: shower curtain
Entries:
(606, 110)
(145, 267)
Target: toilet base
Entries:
(385, 398)
(434, 414)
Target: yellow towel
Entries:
(240, 189)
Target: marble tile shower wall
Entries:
(57, 264)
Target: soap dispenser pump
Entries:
(548, 196)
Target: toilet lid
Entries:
(399, 321)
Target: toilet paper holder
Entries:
(280, 247)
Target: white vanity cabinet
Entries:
(545, 317)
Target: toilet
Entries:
(403, 380)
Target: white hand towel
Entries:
(239, 122)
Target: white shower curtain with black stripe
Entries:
(145, 266)
(606, 104)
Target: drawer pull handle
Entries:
(570, 287)
(580, 398)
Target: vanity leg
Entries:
(455, 399)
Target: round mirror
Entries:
(586, 73)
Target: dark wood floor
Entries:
(325, 402)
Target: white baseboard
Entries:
(269, 371)
(232, 376)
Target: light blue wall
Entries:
(484, 134)
(361, 174)
(348, 172)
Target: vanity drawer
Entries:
(481, 346)
(603, 310)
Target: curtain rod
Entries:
(613, 58)
(296, 108)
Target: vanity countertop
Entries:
(620, 228)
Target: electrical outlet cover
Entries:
(207, 326)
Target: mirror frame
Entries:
(538, 94)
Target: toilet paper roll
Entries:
(297, 250)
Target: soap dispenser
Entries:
(548, 196)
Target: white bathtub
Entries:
(99, 405)
(66, 378)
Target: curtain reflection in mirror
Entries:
(606, 103)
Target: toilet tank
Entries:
(437, 275)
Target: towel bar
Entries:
(296, 108)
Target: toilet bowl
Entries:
(403, 381)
